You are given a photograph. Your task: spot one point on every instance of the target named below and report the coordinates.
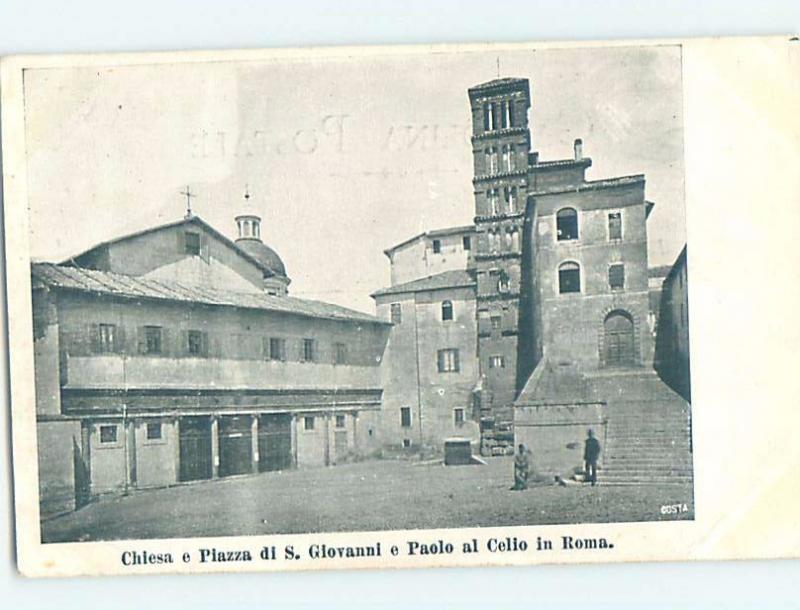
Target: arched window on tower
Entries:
(510, 194)
(569, 278)
(503, 284)
(566, 224)
(491, 160)
(447, 311)
(508, 157)
(493, 240)
(515, 240)
(494, 202)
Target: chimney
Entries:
(578, 147)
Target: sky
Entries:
(343, 157)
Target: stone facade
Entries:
(430, 365)
(203, 366)
(672, 345)
(561, 280)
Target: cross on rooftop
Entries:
(189, 194)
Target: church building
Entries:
(175, 354)
(556, 270)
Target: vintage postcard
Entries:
(396, 307)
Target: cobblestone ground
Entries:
(375, 495)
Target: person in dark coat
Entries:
(591, 453)
(522, 463)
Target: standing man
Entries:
(591, 453)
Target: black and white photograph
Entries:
(422, 291)
(455, 305)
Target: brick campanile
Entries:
(501, 143)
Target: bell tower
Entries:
(501, 143)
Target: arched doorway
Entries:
(618, 343)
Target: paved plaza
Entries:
(364, 496)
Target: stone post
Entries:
(214, 447)
(254, 441)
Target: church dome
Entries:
(263, 254)
(249, 240)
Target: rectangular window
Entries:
(497, 362)
(405, 417)
(467, 242)
(437, 246)
(308, 350)
(458, 416)
(406, 443)
(496, 322)
(397, 313)
(448, 360)
(340, 421)
(340, 353)
(152, 337)
(308, 422)
(108, 333)
(108, 434)
(616, 277)
(277, 349)
(153, 431)
(192, 241)
(195, 342)
(615, 225)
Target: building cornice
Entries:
(498, 133)
(498, 217)
(517, 173)
(497, 256)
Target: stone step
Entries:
(643, 447)
(647, 459)
(645, 467)
(644, 479)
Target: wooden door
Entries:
(619, 340)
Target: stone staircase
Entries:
(648, 437)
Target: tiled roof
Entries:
(433, 233)
(457, 278)
(130, 287)
(187, 220)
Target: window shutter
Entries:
(456, 366)
(94, 338)
(204, 344)
(166, 348)
(119, 340)
(184, 346)
(440, 360)
(141, 336)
